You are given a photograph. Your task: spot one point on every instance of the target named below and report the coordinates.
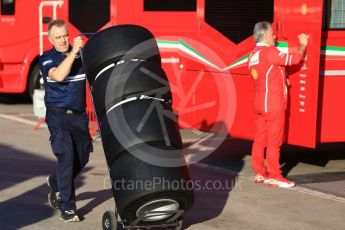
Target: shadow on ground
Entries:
(97, 198)
(23, 203)
(231, 153)
(15, 99)
(291, 156)
(212, 191)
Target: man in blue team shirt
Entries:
(64, 80)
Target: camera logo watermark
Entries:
(195, 92)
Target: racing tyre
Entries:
(129, 79)
(134, 123)
(114, 43)
(140, 187)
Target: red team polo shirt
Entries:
(266, 65)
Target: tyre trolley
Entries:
(123, 67)
(110, 220)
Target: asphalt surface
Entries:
(226, 197)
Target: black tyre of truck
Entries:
(35, 81)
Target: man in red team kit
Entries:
(267, 68)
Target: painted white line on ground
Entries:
(307, 191)
(19, 189)
(26, 115)
(18, 119)
(318, 194)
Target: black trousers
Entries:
(71, 144)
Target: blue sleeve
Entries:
(45, 64)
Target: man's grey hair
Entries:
(260, 29)
(56, 22)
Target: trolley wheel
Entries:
(179, 225)
(109, 221)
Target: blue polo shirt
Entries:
(68, 94)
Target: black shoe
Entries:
(69, 216)
(54, 198)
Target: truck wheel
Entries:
(109, 221)
(35, 81)
(111, 44)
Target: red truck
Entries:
(204, 46)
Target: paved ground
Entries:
(234, 202)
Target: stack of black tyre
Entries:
(132, 100)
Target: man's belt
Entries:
(67, 111)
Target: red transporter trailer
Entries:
(204, 46)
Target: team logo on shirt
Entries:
(254, 59)
(254, 73)
(304, 9)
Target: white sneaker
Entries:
(259, 178)
(281, 182)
